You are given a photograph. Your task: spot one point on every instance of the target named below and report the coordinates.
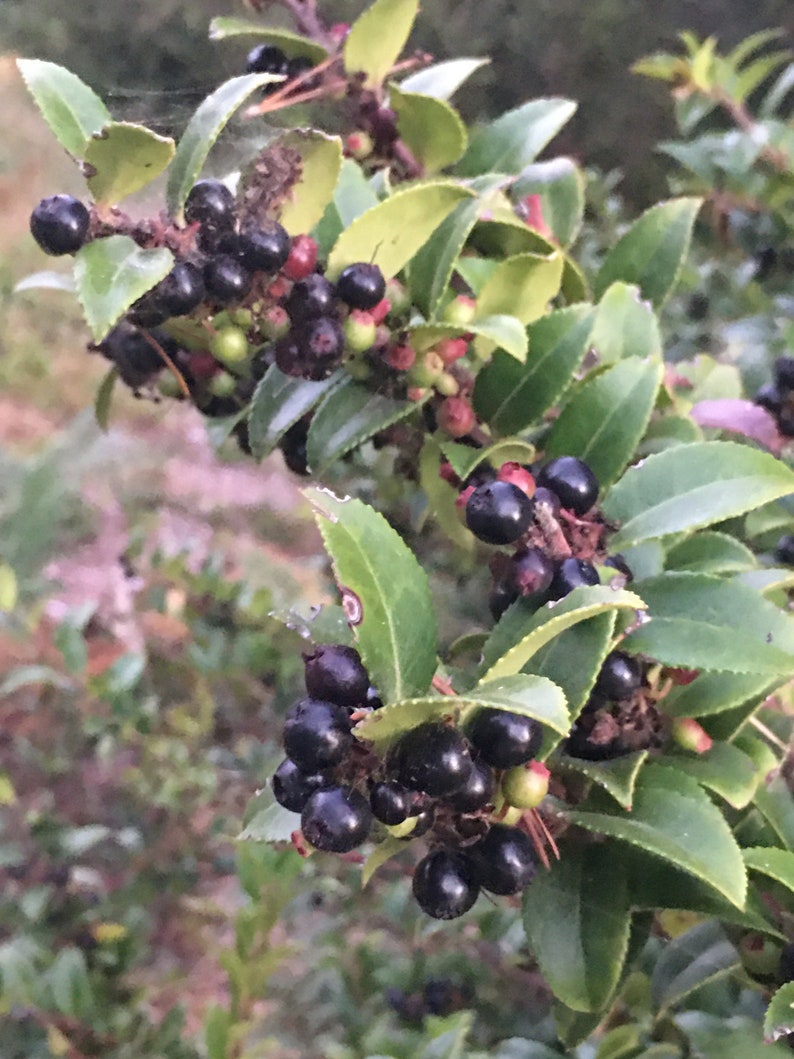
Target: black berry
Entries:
(390, 802)
(504, 739)
(573, 482)
(293, 448)
(769, 397)
(292, 787)
(546, 498)
(59, 224)
(210, 203)
(433, 758)
(264, 249)
(619, 677)
(784, 550)
(181, 290)
(498, 512)
(300, 64)
(786, 967)
(784, 372)
(337, 674)
(361, 286)
(266, 59)
(477, 791)
(504, 860)
(444, 885)
(133, 354)
(532, 571)
(503, 593)
(310, 298)
(227, 280)
(617, 562)
(336, 819)
(321, 344)
(571, 574)
(785, 422)
(316, 734)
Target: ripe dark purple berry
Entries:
(504, 860)
(310, 298)
(391, 802)
(210, 203)
(498, 512)
(570, 574)
(573, 482)
(504, 739)
(619, 677)
(293, 448)
(784, 550)
(320, 344)
(786, 966)
(292, 787)
(361, 286)
(784, 372)
(59, 224)
(135, 357)
(532, 571)
(337, 674)
(336, 819)
(264, 249)
(444, 885)
(317, 734)
(181, 290)
(432, 758)
(502, 595)
(226, 279)
(266, 59)
(769, 397)
(477, 791)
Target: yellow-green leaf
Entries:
(431, 129)
(321, 158)
(377, 37)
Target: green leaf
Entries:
(103, 398)
(203, 130)
(279, 402)
(273, 823)
(701, 955)
(724, 769)
(767, 580)
(711, 552)
(385, 592)
(433, 265)
(527, 695)
(618, 776)
(605, 419)
(377, 37)
(390, 233)
(779, 1018)
(442, 80)
(512, 141)
(217, 1024)
(521, 286)
(574, 657)
(293, 45)
(710, 1037)
(71, 109)
(110, 274)
(703, 622)
(348, 415)
(560, 183)
(464, 460)
(577, 920)
(505, 332)
(653, 251)
(47, 279)
(441, 497)
(674, 819)
(692, 486)
(123, 158)
(384, 851)
(519, 635)
(773, 800)
(431, 129)
(668, 431)
(510, 396)
(69, 983)
(321, 158)
(777, 864)
(353, 195)
(712, 693)
(625, 326)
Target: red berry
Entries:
(518, 475)
(451, 349)
(380, 311)
(302, 258)
(401, 358)
(456, 417)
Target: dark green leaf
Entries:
(442, 80)
(104, 395)
(203, 130)
(773, 800)
(703, 622)
(715, 693)
(216, 1032)
(692, 486)
(577, 920)
(702, 954)
(625, 326)
(71, 109)
(385, 593)
(111, 274)
(391, 233)
(723, 769)
(607, 416)
(221, 28)
(574, 657)
(70, 985)
(504, 332)
(431, 129)
(348, 415)
(653, 251)
(512, 141)
(377, 37)
(433, 265)
(618, 776)
(711, 553)
(712, 1037)
(510, 396)
(123, 158)
(674, 819)
(279, 402)
(779, 1019)
(777, 864)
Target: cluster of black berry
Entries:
(436, 780)
(270, 59)
(777, 397)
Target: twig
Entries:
(183, 386)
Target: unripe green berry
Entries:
(359, 145)
(447, 385)
(760, 955)
(525, 786)
(168, 385)
(222, 385)
(460, 311)
(690, 735)
(275, 323)
(426, 369)
(358, 369)
(360, 331)
(241, 318)
(230, 347)
(399, 300)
